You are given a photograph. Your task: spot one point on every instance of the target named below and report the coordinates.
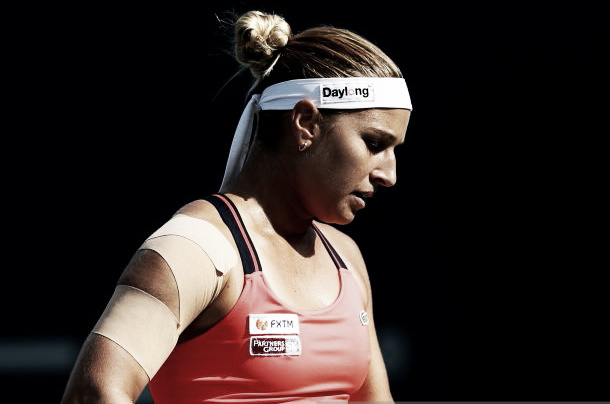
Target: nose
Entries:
(384, 173)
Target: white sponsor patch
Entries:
(364, 317)
(351, 92)
(275, 345)
(274, 323)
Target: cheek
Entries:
(344, 167)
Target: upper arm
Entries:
(105, 372)
(123, 353)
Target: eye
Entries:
(374, 145)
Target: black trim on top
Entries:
(242, 239)
(249, 257)
(331, 250)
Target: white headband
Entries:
(325, 93)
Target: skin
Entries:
(347, 158)
(350, 162)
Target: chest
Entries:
(235, 360)
(304, 280)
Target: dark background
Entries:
(486, 258)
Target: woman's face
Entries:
(351, 158)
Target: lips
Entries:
(361, 197)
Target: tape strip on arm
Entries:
(205, 235)
(198, 255)
(141, 324)
(188, 245)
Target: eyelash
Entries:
(374, 145)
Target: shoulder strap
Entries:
(230, 215)
(331, 250)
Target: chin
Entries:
(341, 213)
(344, 222)
(339, 219)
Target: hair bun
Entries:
(258, 39)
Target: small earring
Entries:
(303, 147)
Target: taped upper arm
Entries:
(188, 245)
(205, 235)
(198, 256)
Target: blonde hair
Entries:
(258, 39)
(264, 44)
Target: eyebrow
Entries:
(385, 134)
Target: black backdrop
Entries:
(481, 257)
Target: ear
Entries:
(303, 122)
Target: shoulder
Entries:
(149, 269)
(200, 209)
(184, 261)
(204, 210)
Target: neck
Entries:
(271, 203)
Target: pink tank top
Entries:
(266, 352)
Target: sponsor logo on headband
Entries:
(340, 93)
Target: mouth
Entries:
(361, 197)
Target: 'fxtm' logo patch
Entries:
(353, 92)
(273, 323)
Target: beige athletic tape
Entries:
(188, 244)
(198, 255)
(141, 324)
(197, 281)
(205, 235)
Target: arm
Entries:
(104, 372)
(176, 274)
